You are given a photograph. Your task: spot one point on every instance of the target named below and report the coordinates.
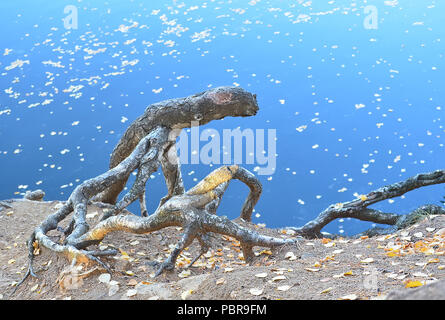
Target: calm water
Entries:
(354, 107)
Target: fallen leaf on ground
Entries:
(186, 294)
(256, 291)
(326, 290)
(349, 297)
(283, 288)
(131, 292)
(413, 284)
(261, 275)
(104, 278)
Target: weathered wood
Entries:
(358, 208)
(176, 114)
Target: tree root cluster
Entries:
(149, 143)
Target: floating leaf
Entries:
(312, 269)
(220, 281)
(130, 273)
(348, 273)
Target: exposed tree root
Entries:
(188, 210)
(148, 143)
(358, 208)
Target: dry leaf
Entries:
(349, 297)
(185, 274)
(413, 284)
(278, 278)
(367, 260)
(283, 288)
(312, 269)
(186, 294)
(326, 290)
(220, 281)
(104, 278)
(261, 275)
(131, 292)
(256, 291)
(132, 282)
(420, 274)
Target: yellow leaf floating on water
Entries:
(130, 273)
(413, 284)
(11, 261)
(349, 273)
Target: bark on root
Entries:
(358, 208)
(192, 210)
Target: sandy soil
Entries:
(365, 268)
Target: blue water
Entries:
(368, 97)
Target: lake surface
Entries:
(354, 91)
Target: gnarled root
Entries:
(193, 210)
(358, 208)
